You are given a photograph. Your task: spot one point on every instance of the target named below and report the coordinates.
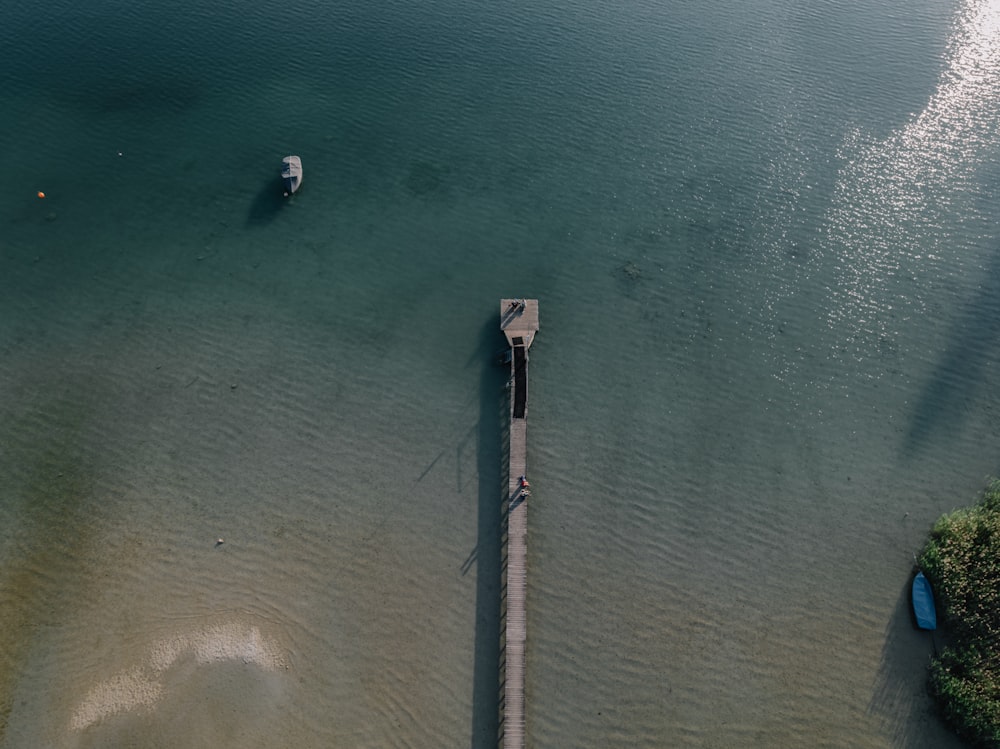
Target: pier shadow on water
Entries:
(900, 699)
(487, 555)
(972, 343)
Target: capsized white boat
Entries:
(291, 173)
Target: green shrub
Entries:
(962, 561)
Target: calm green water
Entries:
(765, 248)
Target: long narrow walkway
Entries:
(519, 322)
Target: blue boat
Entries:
(923, 602)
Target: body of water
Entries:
(764, 243)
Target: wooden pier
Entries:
(519, 322)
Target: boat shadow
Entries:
(267, 203)
(900, 699)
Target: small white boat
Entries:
(291, 173)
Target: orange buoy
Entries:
(41, 194)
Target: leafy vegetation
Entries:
(962, 561)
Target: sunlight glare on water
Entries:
(888, 219)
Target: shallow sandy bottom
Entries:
(153, 684)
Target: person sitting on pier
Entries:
(524, 482)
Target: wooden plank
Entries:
(517, 589)
(519, 322)
(519, 319)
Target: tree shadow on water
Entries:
(973, 339)
(487, 555)
(900, 699)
